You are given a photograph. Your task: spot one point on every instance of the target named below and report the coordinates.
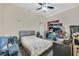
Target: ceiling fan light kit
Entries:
(44, 9)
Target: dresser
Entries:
(60, 49)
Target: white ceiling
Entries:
(58, 7)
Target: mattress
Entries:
(35, 45)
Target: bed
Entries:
(35, 46)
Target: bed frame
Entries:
(29, 33)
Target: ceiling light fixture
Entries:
(44, 9)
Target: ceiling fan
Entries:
(45, 6)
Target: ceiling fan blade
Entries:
(50, 7)
(40, 3)
(39, 8)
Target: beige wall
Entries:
(69, 17)
(13, 19)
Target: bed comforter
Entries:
(35, 45)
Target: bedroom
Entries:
(22, 19)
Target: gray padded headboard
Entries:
(26, 33)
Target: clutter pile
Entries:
(8, 46)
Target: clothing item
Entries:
(3, 44)
(13, 50)
(51, 36)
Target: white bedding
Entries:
(35, 45)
